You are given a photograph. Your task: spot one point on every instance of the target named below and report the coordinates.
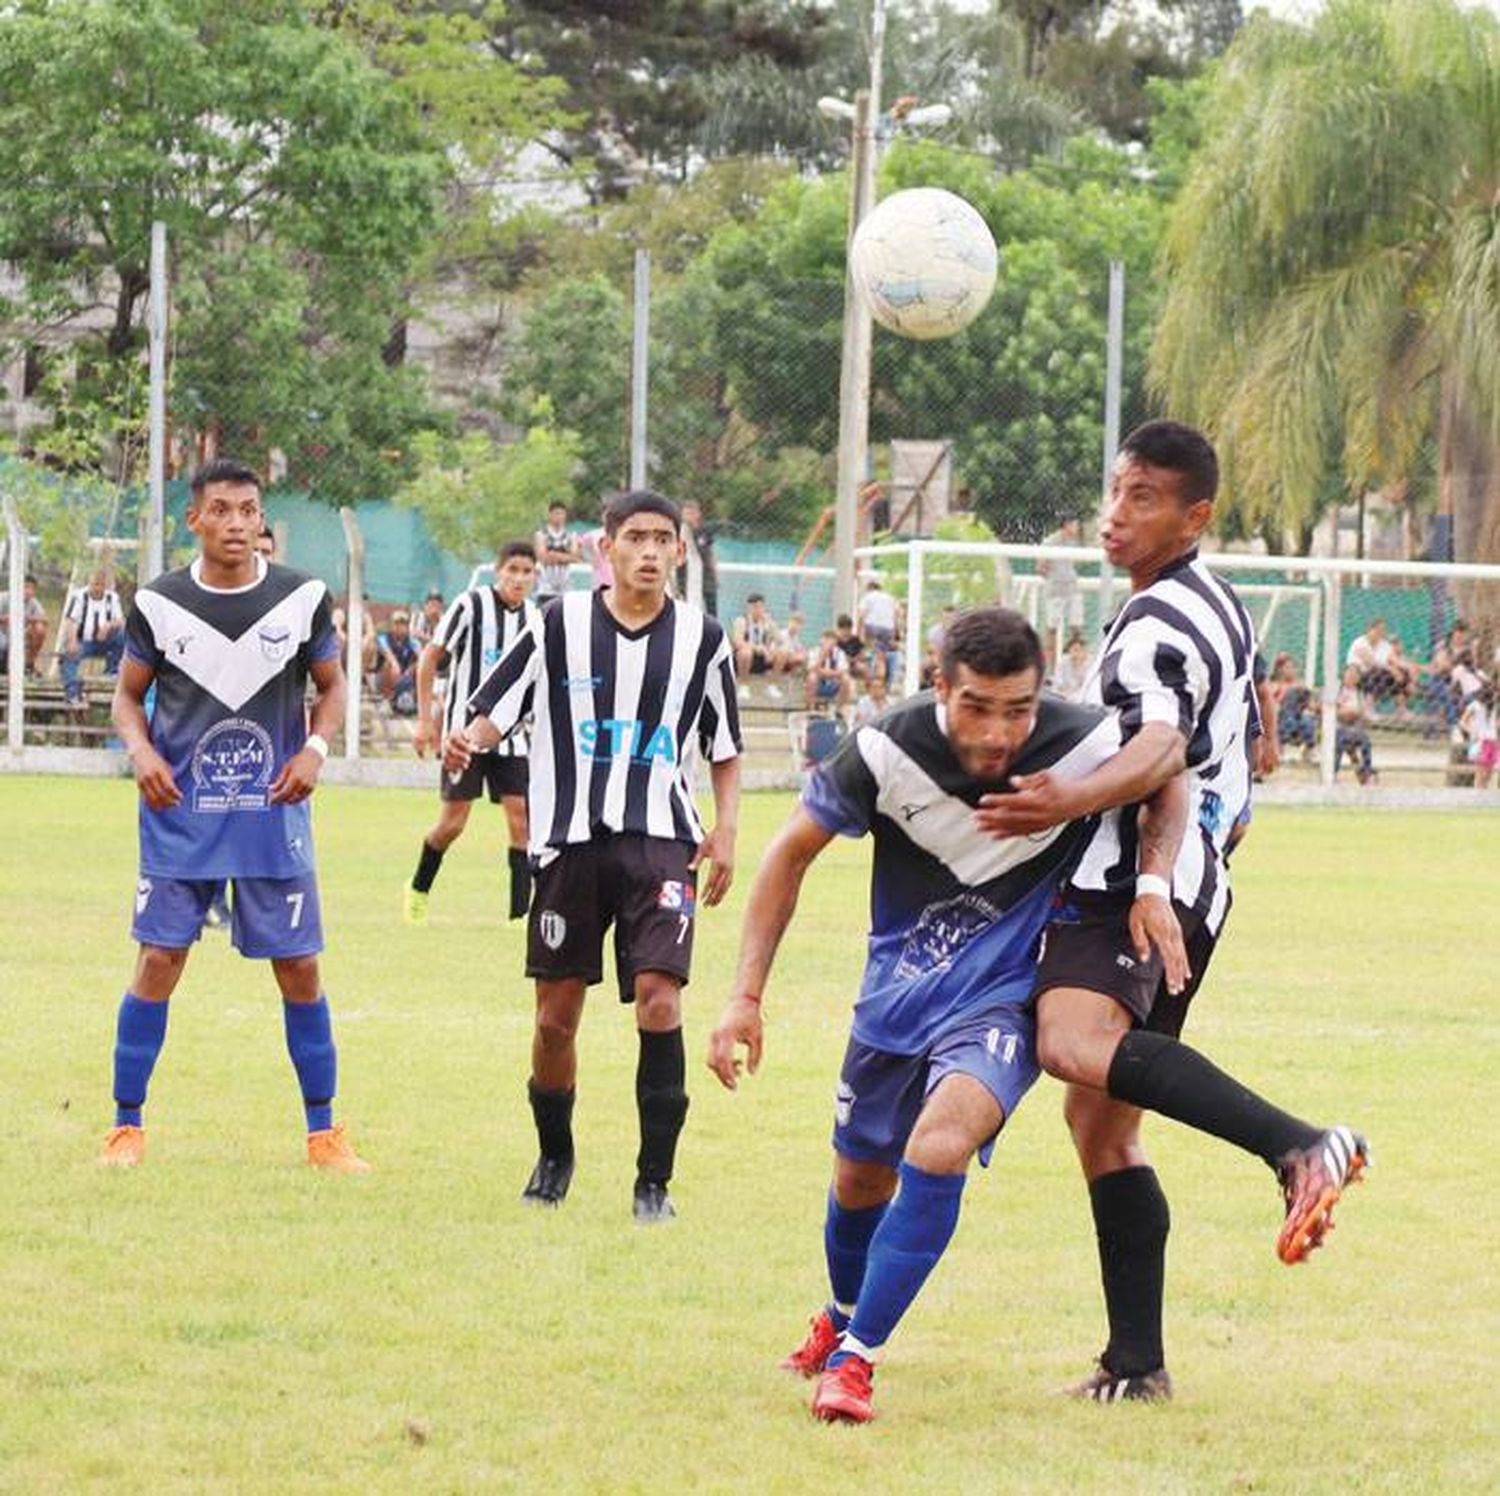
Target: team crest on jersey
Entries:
(553, 929)
(143, 889)
(941, 931)
(232, 765)
(843, 1103)
(275, 640)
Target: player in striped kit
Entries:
(1177, 665)
(623, 683)
(475, 631)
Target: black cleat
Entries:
(652, 1203)
(1103, 1385)
(549, 1182)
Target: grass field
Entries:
(224, 1319)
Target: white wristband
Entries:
(1149, 885)
(318, 743)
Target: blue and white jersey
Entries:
(1181, 651)
(616, 711)
(231, 677)
(956, 914)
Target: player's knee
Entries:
(658, 1003)
(158, 968)
(1057, 1050)
(556, 1027)
(943, 1149)
(858, 1184)
(297, 976)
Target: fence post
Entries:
(1114, 363)
(915, 637)
(1333, 586)
(354, 620)
(155, 559)
(1314, 624)
(16, 625)
(640, 337)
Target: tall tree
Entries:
(1333, 263)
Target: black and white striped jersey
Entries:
(617, 712)
(1181, 651)
(475, 631)
(93, 614)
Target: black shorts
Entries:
(1090, 947)
(500, 773)
(639, 884)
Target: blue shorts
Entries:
(881, 1094)
(273, 918)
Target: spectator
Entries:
(1296, 712)
(853, 648)
(1061, 594)
(93, 629)
(880, 628)
(873, 702)
(1372, 656)
(593, 551)
(369, 654)
(1072, 670)
(935, 635)
(757, 641)
(698, 576)
(556, 551)
(397, 669)
(33, 624)
(265, 542)
(793, 650)
(1353, 733)
(1478, 724)
(828, 673)
(424, 620)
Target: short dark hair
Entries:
(844, 621)
(222, 470)
(1179, 449)
(433, 592)
(754, 597)
(991, 642)
(31, 577)
(557, 504)
(513, 548)
(639, 501)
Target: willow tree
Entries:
(1333, 264)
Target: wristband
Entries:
(318, 743)
(1149, 885)
(750, 997)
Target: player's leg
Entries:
(457, 800)
(168, 918)
(661, 1097)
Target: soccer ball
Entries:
(924, 262)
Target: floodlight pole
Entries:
(1113, 366)
(154, 562)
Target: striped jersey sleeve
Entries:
(1153, 669)
(719, 721)
(505, 695)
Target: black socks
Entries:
(1131, 1221)
(553, 1113)
(427, 867)
(661, 1099)
(520, 882)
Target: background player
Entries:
(475, 631)
(942, 1048)
(623, 682)
(225, 768)
(1177, 664)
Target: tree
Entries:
(1331, 264)
(272, 151)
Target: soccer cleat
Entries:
(652, 1204)
(329, 1149)
(124, 1147)
(844, 1392)
(1103, 1385)
(414, 907)
(809, 1359)
(1312, 1179)
(549, 1182)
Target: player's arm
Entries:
(299, 774)
(717, 848)
(773, 900)
(429, 662)
(1267, 746)
(1160, 825)
(153, 775)
(501, 703)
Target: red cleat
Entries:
(1312, 1179)
(809, 1359)
(844, 1392)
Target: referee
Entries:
(475, 631)
(625, 683)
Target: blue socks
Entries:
(904, 1250)
(846, 1245)
(309, 1041)
(139, 1034)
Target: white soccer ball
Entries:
(924, 261)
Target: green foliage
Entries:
(60, 511)
(475, 495)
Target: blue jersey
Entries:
(956, 914)
(231, 678)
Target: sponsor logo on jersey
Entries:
(553, 928)
(941, 931)
(231, 767)
(681, 897)
(626, 737)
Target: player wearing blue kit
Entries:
(225, 765)
(943, 1043)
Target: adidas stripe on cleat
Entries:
(1104, 1386)
(1312, 1179)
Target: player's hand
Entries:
(739, 1023)
(457, 753)
(154, 778)
(1267, 755)
(1037, 803)
(298, 778)
(1154, 926)
(422, 736)
(717, 849)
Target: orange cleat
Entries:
(844, 1393)
(124, 1147)
(330, 1149)
(1312, 1179)
(809, 1359)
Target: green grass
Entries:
(224, 1319)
